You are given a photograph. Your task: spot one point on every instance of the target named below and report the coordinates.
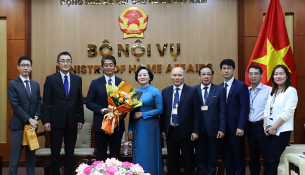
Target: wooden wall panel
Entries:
(301, 95)
(15, 49)
(15, 19)
(207, 33)
(299, 13)
(2, 8)
(3, 82)
(299, 130)
(299, 52)
(9, 108)
(250, 44)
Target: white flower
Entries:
(114, 162)
(96, 173)
(81, 168)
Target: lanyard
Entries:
(254, 96)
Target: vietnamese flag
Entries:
(272, 46)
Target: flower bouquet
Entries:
(110, 167)
(120, 100)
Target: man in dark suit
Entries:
(97, 102)
(212, 115)
(63, 112)
(25, 100)
(179, 124)
(238, 107)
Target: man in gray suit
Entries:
(25, 100)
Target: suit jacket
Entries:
(283, 107)
(214, 119)
(57, 108)
(24, 107)
(187, 120)
(97, 100)
(238, 106)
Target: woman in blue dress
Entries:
(144, 126)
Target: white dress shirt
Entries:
(258, 101)
(24, 83)
(203, 91)
(112, 79)
(229, 83)
(174, 91)
(63, 78)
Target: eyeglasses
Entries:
(256, 74)
(25, 65)
(65, 61)
(228, 68)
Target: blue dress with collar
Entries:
(147, 150)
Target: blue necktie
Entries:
(109, 81)
(66, 84)
(27, 87)
(175, 104)
(205, 94)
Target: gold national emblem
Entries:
(133, 22)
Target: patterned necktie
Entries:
(109, 81)
(28, 87)
(205, 94)
(175, 105)
(66, 84)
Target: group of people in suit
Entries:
(201, 118)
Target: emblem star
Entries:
(133, 15)
(273, 58)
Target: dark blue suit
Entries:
(211, 121)
(96, 101)
(179, 137)
(238, 107)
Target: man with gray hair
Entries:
(179, 124)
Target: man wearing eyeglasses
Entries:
(63, 112)
(24, 96)
(237, 112)
(258, 98)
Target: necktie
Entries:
(205, 94)
(66, 84)
(109, 81)
(27, 87)
(175, 105)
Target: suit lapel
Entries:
(170, 96)
(183, 93)
(231, 91)
(211, 93)
(61, 84)
(72, 84)
(117, 80)
(20, 83)
(200, 93)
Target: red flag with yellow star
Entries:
(273, 46)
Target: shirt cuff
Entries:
(36, 118)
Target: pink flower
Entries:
(95, 163)
(100, 166)
(128, 174)
(111, 169)
(88, 170)
(126, 165)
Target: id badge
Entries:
(251, 110)
(175, 111)
(204, 108)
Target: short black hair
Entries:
(228, 62)
(108, 57)
(64, 53)
(151, 75)
(202, 67)
(24, 58)
(256, 67)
